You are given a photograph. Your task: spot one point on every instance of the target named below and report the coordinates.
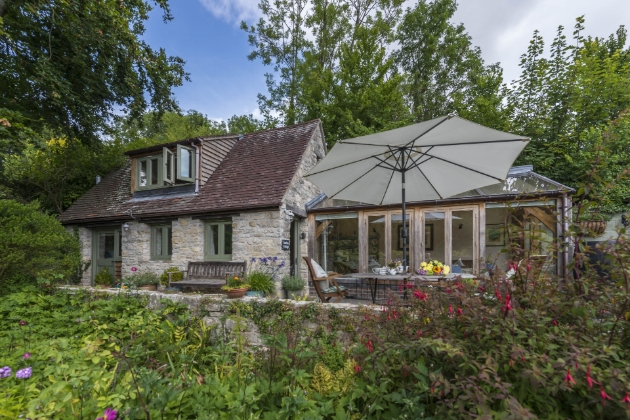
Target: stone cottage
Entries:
(224, 198)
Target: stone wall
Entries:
(301, 190)
(187, 246)
(85, 238)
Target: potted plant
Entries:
(294, 286)
(235, 287)
(145, 281)
(433, 268)
(594, 224)
(260, 284)
(104, 279)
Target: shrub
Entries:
(260, 282)
(293, 283)
(104, 278)
(33, 245)
(176, 276)
(144, 279)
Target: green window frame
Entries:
(149, 173)
(218, 240)
(185, 163)
(161, 242)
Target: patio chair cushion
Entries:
(319, 271)
(334, 289)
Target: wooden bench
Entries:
(208, 274)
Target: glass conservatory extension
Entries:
(470, 230)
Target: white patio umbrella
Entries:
(430, 160)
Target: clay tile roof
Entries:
(256, 173)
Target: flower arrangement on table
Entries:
(394, 263)
(433, 268)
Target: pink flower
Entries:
(508, 304)
(27, 355)
(498, 295)
(22, 323)
(604, 396)
(357, 368)
(569, 379)
(626, 399)
(459, 311)
(589, 380)
(419, 295)
(134, 269)
(555, 322)
(368, 345)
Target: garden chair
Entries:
(326, 287)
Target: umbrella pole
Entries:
(404, 221)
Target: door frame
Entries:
(117, 248)
(295, 247)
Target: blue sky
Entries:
(206, 34)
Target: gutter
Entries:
(197, 163)
(438, 203)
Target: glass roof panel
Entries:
(523, 184)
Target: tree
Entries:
(33, 246)
(569, 105)
(58, 171)
(444, 72)
(67, 65)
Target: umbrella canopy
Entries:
(438, 159)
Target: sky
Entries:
(206, 34)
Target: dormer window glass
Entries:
(168, 168)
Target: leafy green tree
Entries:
(445, 72)
(33, 246)
(571, 104)
(68, 65)
(58, 171)
(241, 124)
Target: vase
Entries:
(236, 293)
(255, 293)
(150, 287)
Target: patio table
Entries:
(373, 279)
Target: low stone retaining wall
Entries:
(215, 310)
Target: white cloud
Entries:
(233, 10)
(503, 28)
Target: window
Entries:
(218, 240)
(166, 169)
(337, 242)
(161, 242)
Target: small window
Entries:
(185, 164)
(169, 168)
(161, 242)
(218, 240)
(150, 172)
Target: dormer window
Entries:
(166, 169)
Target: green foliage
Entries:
(105, 278)
(69, 65)
(144, 279)
(293, 283)
(57, 171)
(573, 106)
(260, 282)
(444, 72)
(176, 276)
(33, 245)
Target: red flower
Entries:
(419, 333)
(357, 368)
(419, 295)
(569, 379)
(555, 322)
(22, 323)
(498, 295)
(508, 304)
(626, 399)
(368, 345)
(459, 311)
(450, 310)
(400, 287)
(588, 377)
(367, 317)
(604, 396)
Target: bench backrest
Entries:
(215, 269)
